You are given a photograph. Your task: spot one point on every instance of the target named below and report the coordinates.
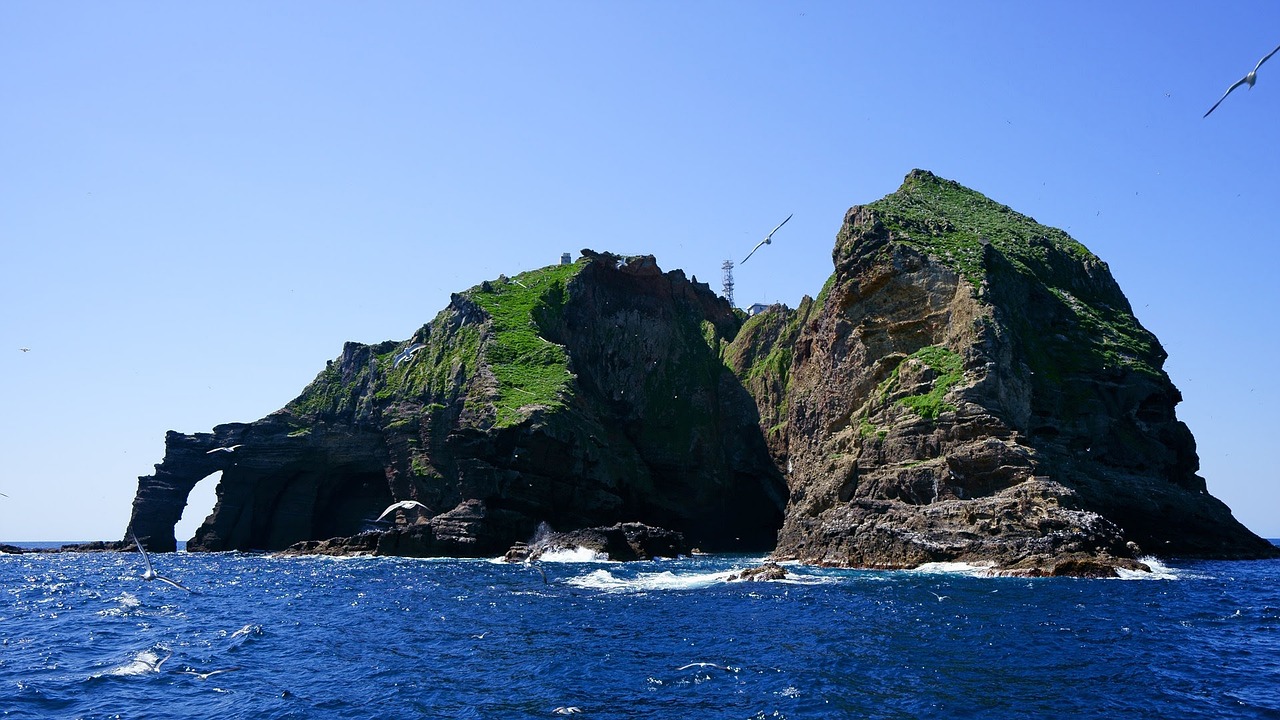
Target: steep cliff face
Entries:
(969, 385)
(577, 395)
(973, 386)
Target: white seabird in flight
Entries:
(151, 573)
(768, 240)
(230, 448)
(406, 354)
(706, 665)
(1249, 80)
(402, 505)
(211, 673)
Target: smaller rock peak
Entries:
(923, 178)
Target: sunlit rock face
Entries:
(579, 395)
(972, 386)
(969, 386)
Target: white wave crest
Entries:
(146, 661)
(128, 603)
(954, 568)
(1159, 571)
(573, 555)
(666, 580)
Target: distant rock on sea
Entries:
(968, 386)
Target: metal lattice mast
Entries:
(727, 267)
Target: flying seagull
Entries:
(406, 354)
(402, 505)
(151, 574)
(768, 240)
(1249, 80)
(230, 448)
(211, 673)
(704, 665)
(25, 349)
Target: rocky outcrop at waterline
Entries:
(968, 386)
(620, 542)
(973, 386)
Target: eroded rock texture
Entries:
(973, 386)
(969, 385)
(579, 395)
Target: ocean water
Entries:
(81, 636)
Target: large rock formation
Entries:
(973, 386)
(968, 386)
(577, 395)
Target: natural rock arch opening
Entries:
(199, 506)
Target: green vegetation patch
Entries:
(530, 369)
(952, 224)
(949, 369)
(327, 395)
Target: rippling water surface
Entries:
(82, 637)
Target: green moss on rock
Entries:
(998, 250)
(530, 369)
(950, 371)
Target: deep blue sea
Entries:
(81, 636)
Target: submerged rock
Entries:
(624, 541)
(767, 571)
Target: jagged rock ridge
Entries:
(968, 385)
(973, 386)
(578, 395)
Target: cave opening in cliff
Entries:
(200, 502)
(351, 498)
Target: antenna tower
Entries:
(727, 267)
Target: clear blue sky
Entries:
(199, 203)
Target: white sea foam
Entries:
(953, 568)
(144, 662)
(1159, 571)
(666, 580)
(128, 603)
(573, 555)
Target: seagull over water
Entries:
(705, 665)
(151, 573)
(1248, 79)
(211, 673)
(402, 505)
(230, 448)
(768, 240)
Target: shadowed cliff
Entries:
(969, 385)
(577, 395)
(973, 386)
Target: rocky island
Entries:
(968, 386)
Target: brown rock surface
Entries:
(972, 386)
(581, 395)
